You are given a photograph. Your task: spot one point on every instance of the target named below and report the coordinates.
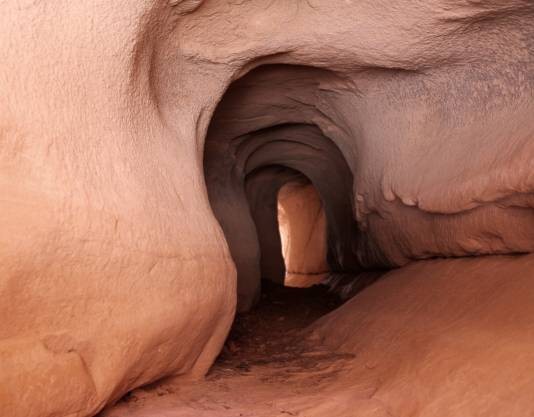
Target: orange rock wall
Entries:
(303, 230)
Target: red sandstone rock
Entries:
(128, 131)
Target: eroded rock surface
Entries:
(129, 131)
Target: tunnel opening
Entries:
(266, 132)
(282, 190)
(302, 226)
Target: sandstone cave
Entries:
(219, 208)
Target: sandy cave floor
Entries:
(268, 367)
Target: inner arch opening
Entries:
(302, 225)
(268, 132)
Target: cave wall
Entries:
(230, 163)
(114, 271)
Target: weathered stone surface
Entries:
(128, 128)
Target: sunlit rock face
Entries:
(133, 135)
(302, 223)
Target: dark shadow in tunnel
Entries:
(304, 149)
(245, 166)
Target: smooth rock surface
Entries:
(302, 223)
(413, 120)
